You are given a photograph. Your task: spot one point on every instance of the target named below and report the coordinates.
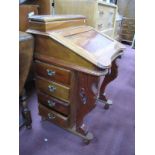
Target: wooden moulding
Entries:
(70, 66)
(40, 26)
(60, 51)
(101, 59)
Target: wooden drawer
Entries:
(53, 116)
(53, 73)
(53, 89)
(106, 17)
(53, 103)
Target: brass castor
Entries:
(89, 137)
(107, 104)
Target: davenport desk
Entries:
(73, 65)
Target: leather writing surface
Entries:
(90, 41)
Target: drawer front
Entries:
(53, 103)
(53, 73)
(53, 89)
(106, 17)
(53, 116)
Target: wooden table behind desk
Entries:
(24, 10)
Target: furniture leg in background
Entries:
(26, 46)
(25, 111)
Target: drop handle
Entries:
(51, 103)
(51, 116)
(50, 72)
(51, 88)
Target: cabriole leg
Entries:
(108, 78)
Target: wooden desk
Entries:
(73, 65)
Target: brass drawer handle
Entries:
(51, 88)
(50, 72)
(51, 116)
(51, 103)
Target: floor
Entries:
(113, 128)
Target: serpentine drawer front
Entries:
(53, 116)
(53, 73)
(54, 104)
(53, 89)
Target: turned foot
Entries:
(106, 103)
(25, 111)
(82, 132)
(88, 139)
(27, 116)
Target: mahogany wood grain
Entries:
(113, 72)
(85, 90)
(53, 116)
(61, 92)
(58, 74)
(45, 7)
(72, 67)
(81, 55)
(56, 24)
(48, 47)
(54, 104)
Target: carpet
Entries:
(114, 129)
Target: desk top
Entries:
(83, 40)
(50, 18)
